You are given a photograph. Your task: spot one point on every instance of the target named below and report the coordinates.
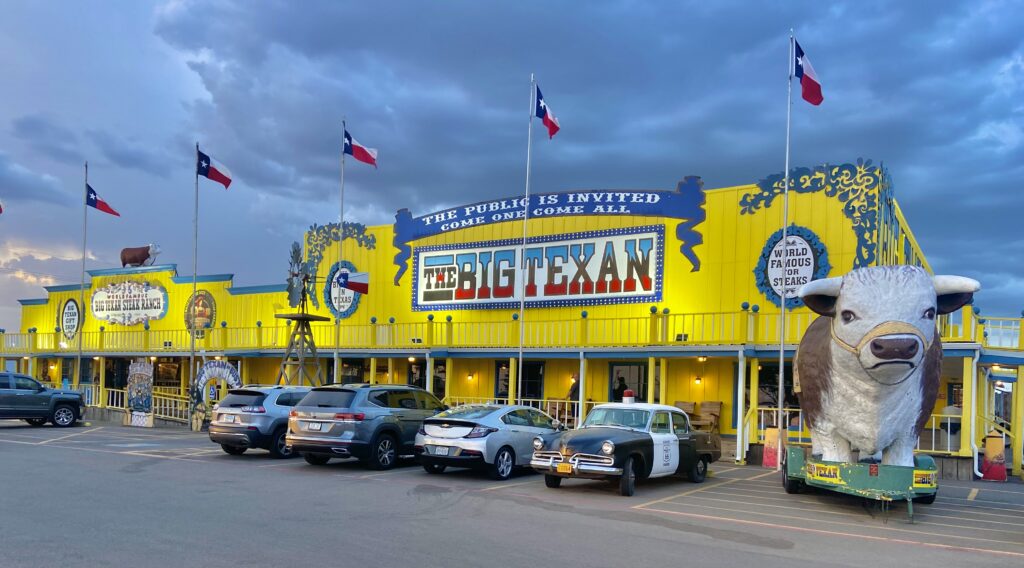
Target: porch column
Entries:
(513, 373)
(650, 379)
(391, 370)
(449, 376)
(663, 387)
(373, 370)
(103, 382)
(430, 376)
(76, 376)
(581, 391)
(755, 368)
(1017, 422)
(741, 396)
(966, 426)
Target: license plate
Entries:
(564, 468)
(315, 426)
(229, 418)
(441, 450)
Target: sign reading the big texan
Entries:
(615, 266)
(686, 204)
(129, 303)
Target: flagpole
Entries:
(81, 290)
(192, 303)
(785, 251)
(522, 254)
(341, 240)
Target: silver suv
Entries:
(374, 423)
(255, 417)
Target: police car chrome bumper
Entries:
(576, 465)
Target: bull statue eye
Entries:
(847, 316)
(929, 314)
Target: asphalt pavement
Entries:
(106, 495)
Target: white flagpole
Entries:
(192, 306)
(522, 252)
(341, 240)
(785, 248)
(81, 290)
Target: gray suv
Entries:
(22, 397)
(255, 417)
(374, 423)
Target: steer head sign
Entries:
(868, 368)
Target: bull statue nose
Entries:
(894, 348)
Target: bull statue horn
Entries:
(953, 292)
(820, 295)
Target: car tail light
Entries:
(254, 409)
(350, 416)
(293, 414)
(480, 431)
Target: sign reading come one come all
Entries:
(129, 303)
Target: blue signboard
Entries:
(686, 203)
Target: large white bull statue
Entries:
(869, 368)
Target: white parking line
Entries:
(71, 435)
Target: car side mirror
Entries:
(558, 424)
(40, 388)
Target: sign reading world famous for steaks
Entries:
(616, 266)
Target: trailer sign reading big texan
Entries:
(579, 269)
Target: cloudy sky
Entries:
(647, 92)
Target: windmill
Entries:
(301, 289)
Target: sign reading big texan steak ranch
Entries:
(129, 303)
(616, 266)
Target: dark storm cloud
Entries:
(48, 137)
(131, 153)
(18, 183)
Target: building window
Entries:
(532, 384)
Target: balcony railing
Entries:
(656, 329)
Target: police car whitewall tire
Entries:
(552, 481)
(699, 472)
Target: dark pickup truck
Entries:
(23, 397)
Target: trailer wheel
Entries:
(792, 486)
(926, 499)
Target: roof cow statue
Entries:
(868, 369)
(139, 256)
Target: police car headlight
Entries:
(607, 447)
(538, 444)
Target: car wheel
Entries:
(627, 483)
(36, 421)
(384, 452)
(926, 499)
(699, 472)
(504, 463)
(278, 447)
(233, 450)
(316, 459)
(63, 416)
(552, 481)
(434, 468)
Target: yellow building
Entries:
(674, 291)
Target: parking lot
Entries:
(102, 494)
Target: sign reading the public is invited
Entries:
(129, 303)
(578, 269)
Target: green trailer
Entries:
(884, 483)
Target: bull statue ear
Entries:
(821, 295)
(953, 292)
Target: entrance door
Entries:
(532, 383)
(632, 376)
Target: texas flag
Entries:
(212, 170)
(810, 87)
(544, 113)
(93, 200)
(360, 152)
(355, 281)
